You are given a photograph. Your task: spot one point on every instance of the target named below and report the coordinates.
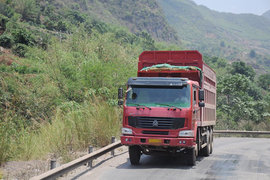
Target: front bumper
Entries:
(158, 141)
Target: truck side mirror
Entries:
(120, 102)
(201, 104)
(120, 93)
(201, 95)
(120, 96)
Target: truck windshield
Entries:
(158, 96)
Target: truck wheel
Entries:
(191, 157)
(211, 141)
(134, 154)
(206, 149)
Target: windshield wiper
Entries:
(169, 106)
(138, 106)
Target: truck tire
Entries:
(206, 149)
(191, 157)
(134, 154)
(211, 141)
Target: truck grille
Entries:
(156, 122)
(156, 132)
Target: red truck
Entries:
(170, 107)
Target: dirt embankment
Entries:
(24, 169)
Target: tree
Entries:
(148, 43)
(242, 68)
(222, 44)
(264, 81)
(28, 9)
(234, 98)
(252, 53)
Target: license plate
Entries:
(155, 141)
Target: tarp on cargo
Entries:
(168, 67)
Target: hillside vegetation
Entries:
(59, 74)
(243, 37)
(137, 16)
(59, 79)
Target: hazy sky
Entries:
(237, 6)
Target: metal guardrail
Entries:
(241, 132)
(54, 173)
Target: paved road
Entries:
(233, 158)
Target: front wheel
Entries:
(134, 154)
(191, 157)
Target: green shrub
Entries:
(3, 21)
(22, 36)
(19, 50)
(42, 40)
(6, 41)
(6, 10)
(28, 9)
(49, 24)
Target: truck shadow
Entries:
(159, 161)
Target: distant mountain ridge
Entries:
(266, 14)
(220, 34)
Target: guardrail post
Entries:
(90, 150)
(53, 164)
(113, 141)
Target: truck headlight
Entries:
(126, 131)
(186, 133)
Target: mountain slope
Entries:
(267, 14)
(137, 16)
(141, 15)
(220, 34)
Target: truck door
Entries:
(195, 106)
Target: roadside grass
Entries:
(72, 129)
(1, 174)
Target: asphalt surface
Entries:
(232, 158)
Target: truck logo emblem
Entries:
(155, 123)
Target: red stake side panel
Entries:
(185, 58)
(208, 113)
(177, 58)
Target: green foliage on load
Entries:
(172, 67)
